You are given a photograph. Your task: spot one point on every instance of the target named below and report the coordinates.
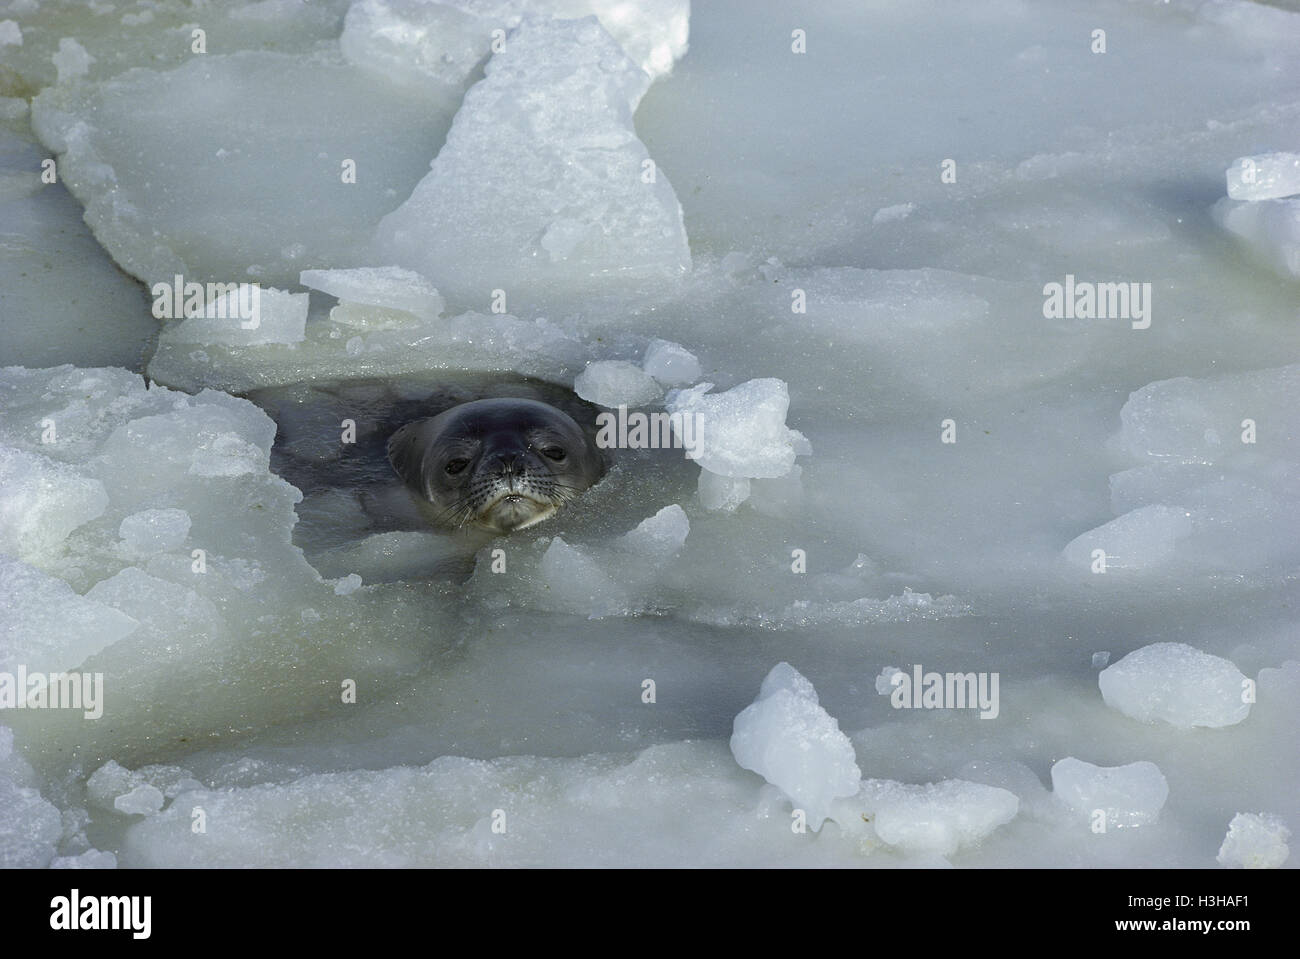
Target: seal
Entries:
(499, 464)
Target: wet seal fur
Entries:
(497, 464)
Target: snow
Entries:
(905, 459)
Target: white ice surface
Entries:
(885, 545)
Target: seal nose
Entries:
(509, 464)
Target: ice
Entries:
(742, 432)
(1177, 684)
(347, 585)
(1265, 176)
(787, 738)
(579, 582)
(722, 492)
(614, 383)
(388, 288)
(72, 60)
(659, 536)
(962, 437)
(10, 34)
(670, 363)
(159, 605)
(892, 214)
(140, 792)
(153, 531)
(42, 501)
(1214, 487)
(140, 801)
(46, 626)
(542, 183)
(1139, 539)
(280, 318)
(1255, 841)
(336, 348)
(1270, 229)
(273, 194)
(1111, 796)
(934, 819)
(91, 859)
(29, 827)
(415, 41)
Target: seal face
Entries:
(499, 464)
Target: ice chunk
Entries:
(336, 348)
(155, 530)
(578, 582)
(615, 383)
(10, 34)
(891, 214)
(741, 432)
(1176, 684)
(937, 818)
(722, 492)
(787, 738)
(1199, 421)
(1265, 176)
(1130, 795)
(275, 317)
(47, 627)
(168, 609)
(671, 363)
(386, 287)
(143, 800)
(29, 827)
(659, 536)
(347, 585)
(172, 186)
(72, 60)
(42, 501)
(1140, 539)
(1255, 841)
(414, 41)
(137, 792)
(542, 182)
(1269, 228)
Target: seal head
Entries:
(499, 464)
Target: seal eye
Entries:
(455, 466)
(553, 453)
